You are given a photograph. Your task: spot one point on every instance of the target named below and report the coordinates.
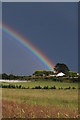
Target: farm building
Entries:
(60, 74)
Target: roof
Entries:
(60, 74)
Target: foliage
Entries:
(53, 87)
(73, 77)
(43, 83)
(11, 77)
(61, 68)
(11, 86)
(0, 76)
(5, 76)
(36, 87)
(45, 87)
(43, 73)
(73, 74)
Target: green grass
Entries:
(59, 98)
(62, 101)
(45, 83)
(66, 98)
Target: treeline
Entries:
(43, 73)
(14, 77)
(62, 79)
(39, 77)
(47, 75)
(36, 87)
(50, 75)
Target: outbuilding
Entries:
(60, 74)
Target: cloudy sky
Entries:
(51, 27)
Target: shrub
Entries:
(73, 88)
(19, 86)
(16, 86)
(45, 87)
(23, 87)
(37, 87)
(67, 88)
(60, 88)
(54, 87)
(27, 87)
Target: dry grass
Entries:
(12, 109)
(31, 103)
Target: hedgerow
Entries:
(36, 87)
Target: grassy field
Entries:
(39, 103)
(45, 83)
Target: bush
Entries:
(16, 86)
(23, 87)
(19, 86)
(45, 87)
(27, 87)
(60, 88)
(67, 88)
(37, 87)
(73, 88)
(53, 87)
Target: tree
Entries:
(61, 68)
(0, 76)
(11, 77)
(43, 73)
(73, 74)
(4, 76)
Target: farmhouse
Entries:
(60, 74)
(57, 75)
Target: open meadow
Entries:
(40, 103)
(43, 83)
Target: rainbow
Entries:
(26, 44)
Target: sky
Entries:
(51, 27)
